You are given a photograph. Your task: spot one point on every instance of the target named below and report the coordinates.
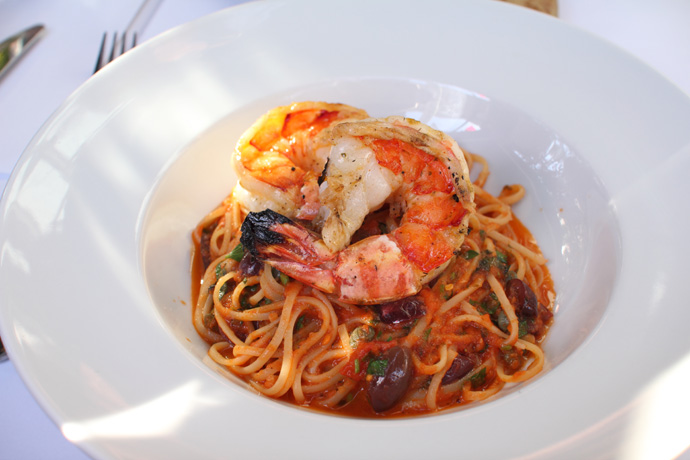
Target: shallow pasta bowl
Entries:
(94, 268)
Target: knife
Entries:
(13, 48)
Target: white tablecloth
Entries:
(656, 32)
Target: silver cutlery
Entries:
(3, 353)
(15, 46)
(119, 47)
(128, 40)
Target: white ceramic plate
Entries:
(94, 281)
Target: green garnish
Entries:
(284, 279)
(490, 305)
(522, 329)
(299, 324)
(485, 263)
(357, 366)
(479, 378)
(502, 258)
(469, 255)
(220, 271)
(499, 261)
(222, 291)
(244, 303)
(377, 367)
(444, 293)
(237, 253)
(487, 308)
(426, 335)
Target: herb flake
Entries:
(377, 367)
(469, 255)
(479, 378)
(237, 253)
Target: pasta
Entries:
(470, 331)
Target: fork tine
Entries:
(124, 42)
(116, 49)
(99, 61)
(113, 48)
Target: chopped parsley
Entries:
(445, 292)
(489, 305)
(299, 324)
(488, 260)
(220, 271)
(222, 291)
(469, 255)
(502, 258)
(377, 367)
(479, 378)
(237, 253)
(522, 329)
(244, 302)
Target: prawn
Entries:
(422, 177)
(276, 158)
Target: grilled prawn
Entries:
(419, 175)
(276, 158)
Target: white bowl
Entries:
(94, 237)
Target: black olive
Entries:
(386, 390)
(250, 265)
(462, 365)
(523, 298)
(400, 311)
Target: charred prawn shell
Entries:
(257, 233)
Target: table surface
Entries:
(655, 32)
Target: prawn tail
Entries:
(289, 247)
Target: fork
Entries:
(119, 47)
(3, 353)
